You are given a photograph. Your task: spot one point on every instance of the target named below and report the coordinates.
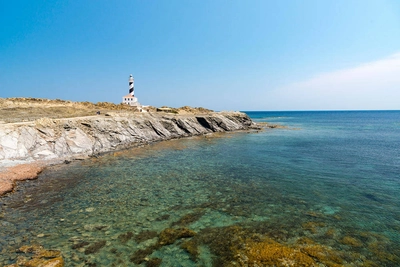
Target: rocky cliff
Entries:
(46, 139)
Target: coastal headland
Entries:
(35, 133)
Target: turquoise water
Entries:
(330, 180)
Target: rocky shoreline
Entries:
(26, 148)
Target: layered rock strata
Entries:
(60, 139)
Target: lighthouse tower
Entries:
(131, 85)
(130, 98)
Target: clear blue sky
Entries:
(219, 54)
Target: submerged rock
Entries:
(189, 218)
(237, 246)
(95, 247)
(125, 237)
(170, 235)
(140, 255)
(37, 256)
(41, 262)
(167, 236)
(95, 227)
(31, 249)
(351, 241)
(155, 262)
(163, 217)
(145, 235)
(80, 245)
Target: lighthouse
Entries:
(131, 85)
(130, 98)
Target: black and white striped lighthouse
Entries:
(131, 85)
(130, 98)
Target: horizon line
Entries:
(317, 110)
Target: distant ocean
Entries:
(329, 180)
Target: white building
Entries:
(130, 98)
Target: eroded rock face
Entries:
(50, 139)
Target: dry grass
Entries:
(31, 109)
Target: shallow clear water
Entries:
(333, 177)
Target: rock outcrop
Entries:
(62, 139)
(18, 173)
(57, 138)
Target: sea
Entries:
(320, 189)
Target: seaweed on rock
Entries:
(125, 237)
(189, 218)
(244, 247)
(167, 236)
(80, 245)
(36, 255)
(145, 235)
(170, 235)
(95, 247)
(140, 255)
(155, 262)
